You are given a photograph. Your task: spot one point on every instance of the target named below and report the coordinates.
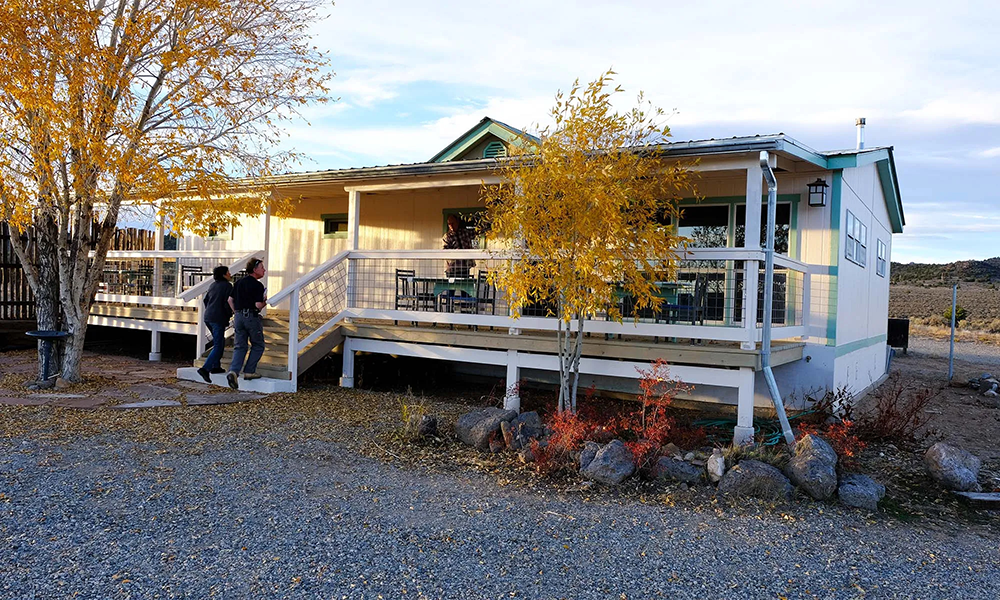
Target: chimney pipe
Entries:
(860, 122)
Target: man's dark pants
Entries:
(248, 327)
(218, 345)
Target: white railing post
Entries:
(751, 241)
(200, 327)
(293, 335)
(806, 301)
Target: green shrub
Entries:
(960, 314)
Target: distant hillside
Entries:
(981, 271)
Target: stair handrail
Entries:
(308, 278)
(293, 291)
(202, 287)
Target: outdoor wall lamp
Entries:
(817, 193)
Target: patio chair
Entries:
(410, 294)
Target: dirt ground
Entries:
(957, 416)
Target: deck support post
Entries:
(806, 301)
(154, 346)
(512, 397)
(751, 241)
(347, 375)
(743, 432)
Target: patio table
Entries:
(445, 289)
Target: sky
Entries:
(413, 76)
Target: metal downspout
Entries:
(765, 344)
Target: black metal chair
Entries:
(410, 294)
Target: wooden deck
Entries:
(709, 354)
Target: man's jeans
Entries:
(218, 345)
(247, 328)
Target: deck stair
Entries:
(315, 304)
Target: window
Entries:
(706, 226)
(880, 258)
(335, 227)
(856, 245)
(782, 226)
(219, 232)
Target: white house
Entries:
(358, 268)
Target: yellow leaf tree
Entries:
(582, 210)
(105, 103)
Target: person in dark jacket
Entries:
(249, 297)
(217, 315)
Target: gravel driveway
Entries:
(223, 517)
(983, 354)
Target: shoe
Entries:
(217, 370)
(204, 374)
(249, 376)
(231, 379)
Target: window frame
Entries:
(881, 257)
(335, 235)
(856, 240)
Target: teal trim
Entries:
(859, 159)
(801, 152)
(890, 189)
(494, 149)
(475, 135)
(859, 345)
(836, 190)
(336, 235)
(736, 199)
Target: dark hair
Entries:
(252, 264)
(219, 272)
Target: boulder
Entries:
(756, 479)
(860, 491)
(477, 427)
(716, 465)
(813, 467)
(671, 449)
(524, 428)
(428, 426)
(953, 467)
(590, 450)
(677, 470)
(611, 465)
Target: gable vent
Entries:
(494, 150)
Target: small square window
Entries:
(335, 227)
(219, 232)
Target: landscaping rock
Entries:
(953, 467)
(611, 465)
(62, 384)
(506, 434)
(756, 479)
(716, 465)
(527, 455)
(813, 467)
(527, 424)
(428, 426)
(677, 470)
(590, 450)
(860, 491)
(477, 427)
(671, 449)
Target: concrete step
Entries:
(264, 385)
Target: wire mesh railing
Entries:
(155, 274)
(703, 292)
(322, 299)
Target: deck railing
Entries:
(705, 300)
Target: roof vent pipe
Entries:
(860, 123)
